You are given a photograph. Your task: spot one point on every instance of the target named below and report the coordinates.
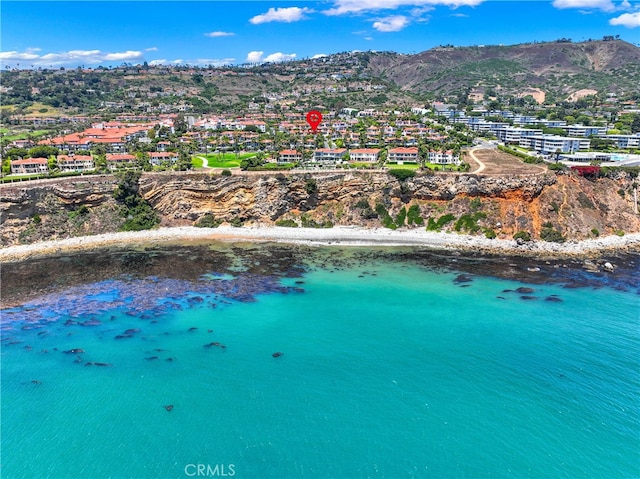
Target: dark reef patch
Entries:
(149, 283)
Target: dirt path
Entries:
(490, 161)
(205, 163)
(481, 166)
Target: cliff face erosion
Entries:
(566, 204)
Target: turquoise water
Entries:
(387, 370)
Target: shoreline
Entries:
(336, 236)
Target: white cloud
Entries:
(124, 56)
(216, 62)
(629, 20)
(418, 11)
(391, 24)
(459, 15)
(368, 38)
(258, 57)
(342, 7)
(319, 55)
(604, 5)
(71, 57)
(219, 34)
(152, 49)
(16, 56)
(280, 57)
(254, 57)
(287, 15)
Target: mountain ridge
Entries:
(611, 65)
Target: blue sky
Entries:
(92, 33)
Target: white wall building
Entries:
(548, 144)
(443, 157)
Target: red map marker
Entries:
(314, 117)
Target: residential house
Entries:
(400, 155)
(328, 156)
(289, 156)
(115, 161)
(364, 155)
(29, 166)
(163, 145)
(75, 163)
(443, 157)
(156, 158)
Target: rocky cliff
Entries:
(567, 205)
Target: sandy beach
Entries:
(342, 235)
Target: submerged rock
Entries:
(523, 290)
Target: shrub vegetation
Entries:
(287, 223)
(208, 221)
(433, 225)
(402, 174)
(138, 212)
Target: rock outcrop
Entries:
(575, 207)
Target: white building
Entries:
(289, 156)
(364, 155)
(329, 156)
(548, 144)
(400, 155)
(443, 157)
(585, 131)
(75, 163)
(624, 141)
(29, 166)
(514, 135)
(158, 157)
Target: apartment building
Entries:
(29, 166)
(548, 144)
(75, 163)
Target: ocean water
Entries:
(393, 364)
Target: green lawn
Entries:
(438, 167)
(21, 136)
(10, 178)
(405, 166)
(221, 160)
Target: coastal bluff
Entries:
(569, 205)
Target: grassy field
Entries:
(37, 110)
(220, 160)
(12, 136)
(405, 166)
